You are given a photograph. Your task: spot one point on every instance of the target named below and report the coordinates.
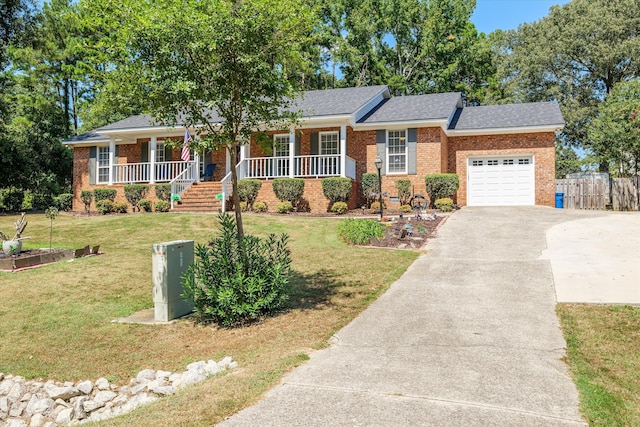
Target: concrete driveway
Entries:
(468, 336)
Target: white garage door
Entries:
(500, 181)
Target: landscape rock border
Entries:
(51, 404)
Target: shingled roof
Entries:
(437, 106)
(507, 116)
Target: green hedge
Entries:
(64, 201)
(370, 187)
(86, 196)
(360, 231)
(104, 194)
(163, 192)
(404, 191)
(134, 193)
(248, 190)
(337, 189)
(441, 185)
(289, 189)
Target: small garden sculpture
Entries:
(14, 246)
(51, 213)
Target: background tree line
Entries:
(61, 70)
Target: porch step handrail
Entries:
(227, 185)
(183, 181)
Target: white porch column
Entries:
(196, 158)
(292, 153)
(112, 152)
(152, 160)
(343, 150)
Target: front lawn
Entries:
(55, 321)
(603, 346)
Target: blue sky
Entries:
(491, 15)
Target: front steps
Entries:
(200, 197)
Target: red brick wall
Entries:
(312, 194)
(541, 145)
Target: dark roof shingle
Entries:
(437, 106)
(508, 116)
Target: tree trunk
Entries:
(234, 185)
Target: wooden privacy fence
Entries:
(620, 194)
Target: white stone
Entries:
(102, 384)
(78, 408)
(90, 405)
(1, 376)
(16, 392)
(104, 396)
(212, 367)
(37, 420)
(162, 374)
(64, 393)
(120, 400)
(138, 387)
(40, 406)
(14, 422)
(225, 362)
(85, 387)
(26, 397)
(65, 416)
(197, 366)
(64, 403)
(17, 409)
(174, 377)
(166, 390)
(232, 365)
(5, 387)
(146, 374)
(49, 424)
(4, 404)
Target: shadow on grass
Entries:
(310, 291)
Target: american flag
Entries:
(185, 156)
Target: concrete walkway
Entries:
(467, 337)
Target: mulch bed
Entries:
(410, 232)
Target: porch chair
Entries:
(208, 172)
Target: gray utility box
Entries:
(170, 262)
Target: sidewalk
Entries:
(468, 336)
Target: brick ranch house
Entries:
(503, 154)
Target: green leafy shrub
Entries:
(288, 189)
(370, 187)
(231, 283)
(86, 196)
(135, 192)
(104, 206)
(12, 199)
(441, 185)
(27, 201)
(360, 231)
(42, 201)
(445, 204)
(248, 190)
(104, 194)
(163, 192)
(405, 208)
(284, 207)
(340, 208)
(404, 191)
(337, 189)
(145, 205)
(120, 207)
(162, 206)
(375, 207)
(64, 202)
(244, 206)
(259, 207)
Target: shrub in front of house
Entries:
(104, 206)
(243, 206)
(360, 231)
(289, 189)
(445, 204)
(86, 196)
(284, 207)
(64, 202)
(162, 206)
(248, 190)
(11, 199)
(337, 189)
(145, 205)
(370, 187)
(163, 192)
(231, 283)
(259, 207)
(440, 185)
(104, 194)
(405, 208)
(27, 201)
(404, 191)
(120, 207)
(41, 200)
(340, 208)
(375, 207)
(135, 192)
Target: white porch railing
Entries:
(184, 180)
(130, 173)
(227, 185)
(303, 166)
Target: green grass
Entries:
(603, 353)
(56, 320)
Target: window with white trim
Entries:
(103, 164)
(160, 157)
(397, 151)
(329, 143)
(280, 150)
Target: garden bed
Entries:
(34, 258)
(410, 232)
